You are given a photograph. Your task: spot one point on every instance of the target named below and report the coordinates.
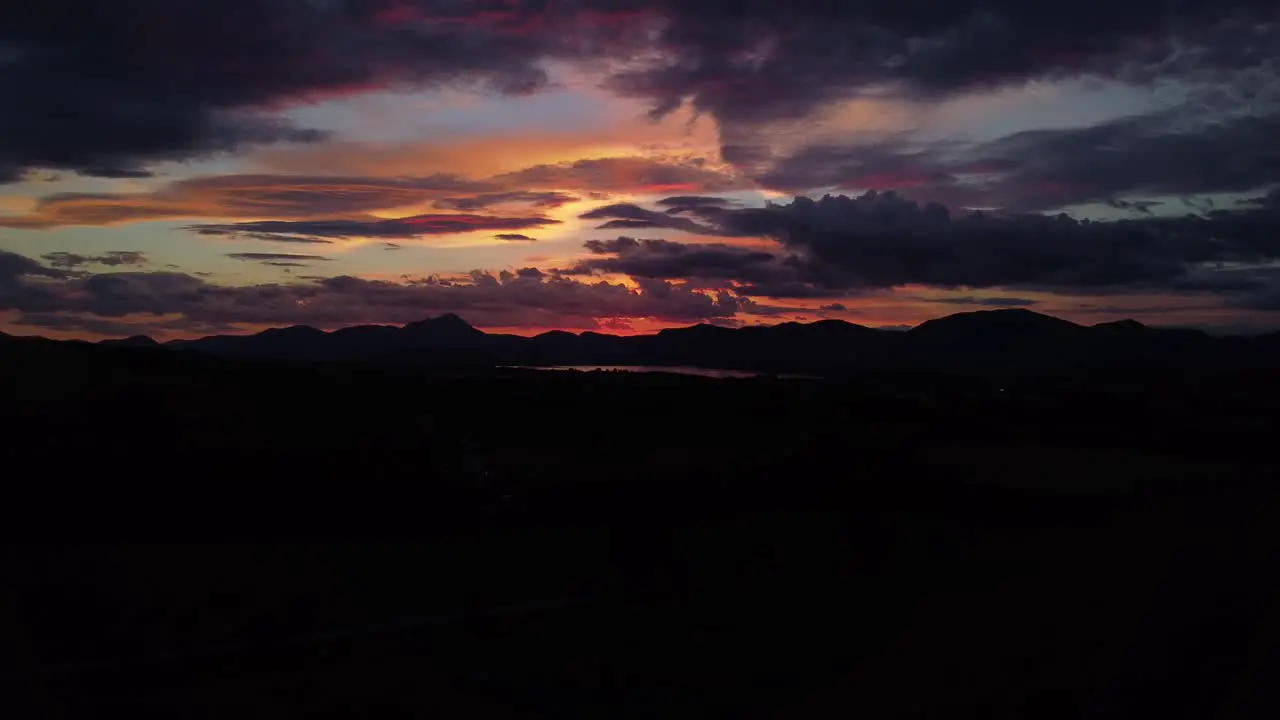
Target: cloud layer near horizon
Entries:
(834, 247)
(178, 301)
(838, 245)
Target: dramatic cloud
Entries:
(663, 259)
(407, 227)
(700, 205)
(881, 240)
(515, 237)
(773, 61)
(142, 81)
(527, 298)
(627, 215)
(113, 258)
(274, 197)
(15, 267)
(1160, 154)
(541, 200)
(1180, 152)
(841, 245)
(624, 175)
(243, 196)
(261, 236)
(681, 201)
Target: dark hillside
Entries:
(193, 536)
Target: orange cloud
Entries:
(626, 132)
(628, 155)
(248, 197)
(623, 175)
(274, 197)
(16, 205)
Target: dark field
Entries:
(199, 538)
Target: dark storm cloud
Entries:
(843, 246)
(1152, 155)
(527, 297)
(13, 267)
(541, 200)
(881, 240)
(748, 272)
(407, 227)
(776, 60)
(782, 62)
(663, 259)
(109, 88)
(68, 260)
(1179, 152)
(1270, 200)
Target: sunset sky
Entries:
(183, 167)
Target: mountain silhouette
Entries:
(132, 341)
(1121, 327)
(995, 324)
(995, 340)
(444, 329)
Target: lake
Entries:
(676, 369)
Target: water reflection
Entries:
(676, 369)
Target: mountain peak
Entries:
(293, 331)
(994, 327)
(450, 319)
(1125, 326)
(1004, 317)
(448, 322)
(132, 340)
(698, 329)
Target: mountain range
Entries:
(988, 340)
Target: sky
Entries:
(179, 168)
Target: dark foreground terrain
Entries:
(192, 537)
